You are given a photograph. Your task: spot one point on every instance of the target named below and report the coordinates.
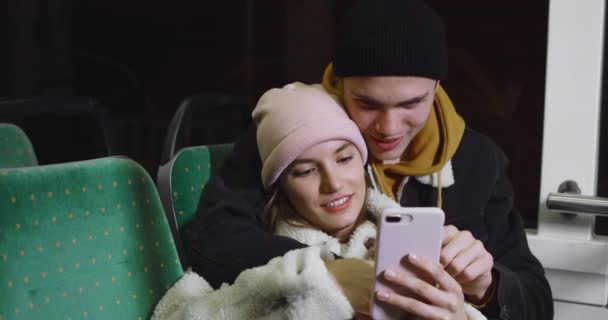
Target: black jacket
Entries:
(229, 235)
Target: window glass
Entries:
(497, 82)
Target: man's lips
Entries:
(387, 144)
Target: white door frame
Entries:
(575, 259)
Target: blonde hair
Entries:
(280, 208)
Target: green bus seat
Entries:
(83, 240)
(15, 147)
(181, 184)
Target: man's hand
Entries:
(466, 260)
(356, 278)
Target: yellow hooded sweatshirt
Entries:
(428, 152)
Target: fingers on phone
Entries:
(466, 257)
(423, 299)
(451, 244)
(413, 307)
(476, 269)
(448, 232)
(460, 242)
(434, 273)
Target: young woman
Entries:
(313, 160)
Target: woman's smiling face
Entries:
(326, 186)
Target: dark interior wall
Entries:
(4, 38)
(173, 51)
(140, 59)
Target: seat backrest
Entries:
(206, 119)
(83, 240)
(15, 147)
(62, 129)
(181, 184)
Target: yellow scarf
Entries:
(429, 151)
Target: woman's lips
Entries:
(339, 204)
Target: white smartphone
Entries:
(404, 231)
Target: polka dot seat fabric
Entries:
(83, 240)
(15, 147)
(181, 184)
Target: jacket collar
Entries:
(357, 246)
(447, 177)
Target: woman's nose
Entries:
(331, 182)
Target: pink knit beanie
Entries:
(294, 118)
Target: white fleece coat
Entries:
(294, 286)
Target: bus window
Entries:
(497, 82)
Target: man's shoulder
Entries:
(472, 139)
(242, 168)
(478, 152)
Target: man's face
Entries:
(389, 111)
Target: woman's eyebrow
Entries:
(309, 160)
(300, 161)
(342, 147)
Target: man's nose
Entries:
(387, 123)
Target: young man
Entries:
(390, 57)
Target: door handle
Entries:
(574, 203)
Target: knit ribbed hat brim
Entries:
(292, 119)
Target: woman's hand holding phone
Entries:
(410, 280)
(424, 300)
(465, 268)
(462, 263)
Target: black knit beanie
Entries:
(391, 38)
